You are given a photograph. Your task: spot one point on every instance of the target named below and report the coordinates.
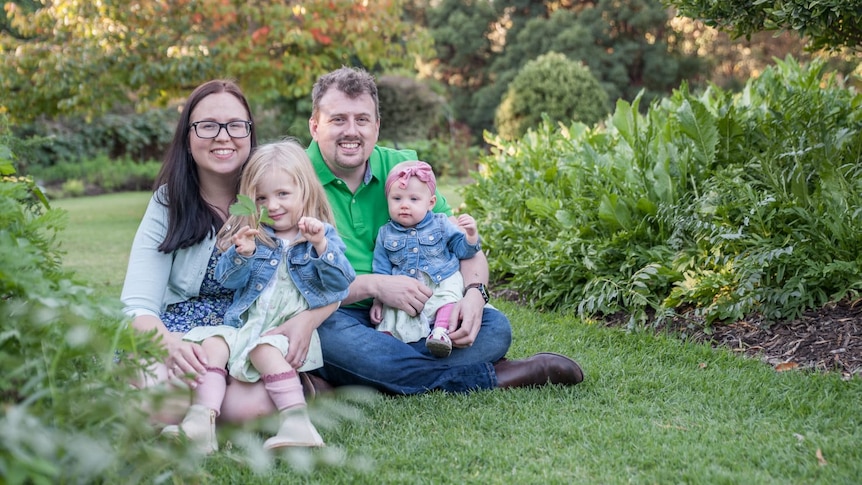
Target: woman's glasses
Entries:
(211, 129)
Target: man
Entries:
(344, 125)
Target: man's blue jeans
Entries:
(355, 353)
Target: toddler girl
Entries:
(293, 262)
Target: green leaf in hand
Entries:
(264, 217)
(244, 206)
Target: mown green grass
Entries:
(653, 408)
(99, 236)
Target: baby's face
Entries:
(408, 205)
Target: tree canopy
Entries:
(827, 23)
(628, 46)
(72, 56)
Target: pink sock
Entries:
(210, 392)
(284, 389)
(442, 317)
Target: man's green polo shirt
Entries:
(358, 216)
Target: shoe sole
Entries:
(294, 444)
(438, 349)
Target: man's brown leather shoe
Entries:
(313, 386)
(538, 370)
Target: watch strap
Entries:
(479, 286)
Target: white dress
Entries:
(279, 301)
(413, 329)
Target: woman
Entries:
(170, 285)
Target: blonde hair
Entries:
(289, 157)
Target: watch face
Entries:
(483, 291)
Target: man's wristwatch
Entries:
(480, 287)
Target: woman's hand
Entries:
(186, 360)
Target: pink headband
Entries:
(404, 170)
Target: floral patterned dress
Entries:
(206, 309)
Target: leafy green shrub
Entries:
(67, 411)
(409, 109)
(552, 85)
(73, 188)
(449, 158)
(135, 136)
(450, 154)
(98, 175)
(728, 204)
(69, 414)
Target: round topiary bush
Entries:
(553, 84)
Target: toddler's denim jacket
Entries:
(434, 247)
(322, 279)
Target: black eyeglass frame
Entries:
(222, 126)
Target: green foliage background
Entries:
(832, 24)
(717, 204)
(630, 47)
(552, 86)
(74, 57)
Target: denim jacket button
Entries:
(330, 257)
(412, 271)
(237, 260)
(415, 250)
(430, 238)
(258, 287)
(273, 262)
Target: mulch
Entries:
(828, 339)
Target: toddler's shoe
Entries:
(295, 430)
(438, 342)
(199, 427)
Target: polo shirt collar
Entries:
(325, 175)
(368, 172)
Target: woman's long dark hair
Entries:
(190, 218)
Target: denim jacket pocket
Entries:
(299, 265)
(396, 249)
(432, 243)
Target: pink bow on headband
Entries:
(420, 170)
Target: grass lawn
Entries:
(653, 409)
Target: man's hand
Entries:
(298, 331)
(402, 292)
(468, 312)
